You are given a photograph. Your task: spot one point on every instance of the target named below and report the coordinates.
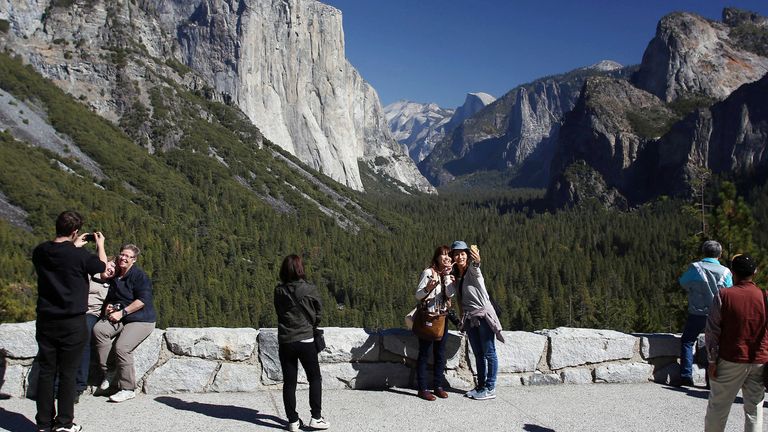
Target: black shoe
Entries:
(686, 382)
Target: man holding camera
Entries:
(63, 268)
(129, 317)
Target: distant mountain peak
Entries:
(605, 66)
(419, 126)
(484, 97)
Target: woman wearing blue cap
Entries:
(479, 319)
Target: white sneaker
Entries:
(73, 428)
(320, 423)
(472, 394)
(122, 396)
(485, 394)
(104, 386)
(295, 426)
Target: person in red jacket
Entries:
(737, 348)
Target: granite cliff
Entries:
(281, 62)
(697, 102)
(691, 55)
(516, 133)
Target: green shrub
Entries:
(651, 123)
(177, 66)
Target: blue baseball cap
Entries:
(459, 245)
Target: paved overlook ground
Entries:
(566, 408)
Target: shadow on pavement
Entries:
(700, 393)
(400, 391)
(536, 428)
(15, 422)
(229, 412)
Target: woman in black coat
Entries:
(298, 308)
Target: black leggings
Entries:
(290, 355)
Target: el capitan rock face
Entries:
(281, 62)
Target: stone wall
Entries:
(197, 360)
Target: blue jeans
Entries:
(81, 381)
(693, 326)
(483, 343)
(438, 367)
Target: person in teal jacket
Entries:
(701, 281)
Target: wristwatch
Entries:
(125, 313)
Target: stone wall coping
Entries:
(220, 359)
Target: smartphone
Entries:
(89, 237)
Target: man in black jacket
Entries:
(63, 269)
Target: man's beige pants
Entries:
(732, 377)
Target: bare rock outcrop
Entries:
(691, 55)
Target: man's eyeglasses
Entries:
(127, 256)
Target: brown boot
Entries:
(426, 395)
(442, 394)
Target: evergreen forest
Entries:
(216, 213)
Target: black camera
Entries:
(90, 237)
(116, 307)
(453, 317)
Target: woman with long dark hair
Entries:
(435, 288)
(298, 308)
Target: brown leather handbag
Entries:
(428, 325)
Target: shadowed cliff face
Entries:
(281, 62)
(599, 133)
(515, 133)
(651, 138)
(730, 136)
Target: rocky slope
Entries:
(653, 137)
(281, 62)
(515, 133)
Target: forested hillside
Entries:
(215, 216)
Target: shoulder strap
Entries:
(301, 306)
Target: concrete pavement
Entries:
(566, 408)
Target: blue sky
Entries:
(438, 50)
